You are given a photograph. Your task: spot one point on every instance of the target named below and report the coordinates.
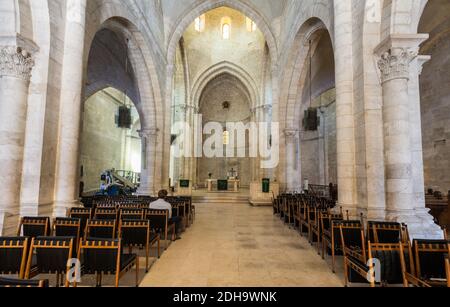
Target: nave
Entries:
(240, 245)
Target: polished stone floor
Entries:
(239, 245)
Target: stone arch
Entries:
(321, 10)
(145, 56)
(225, 68)
(312, 29)
(114, 16)
(392, 16)
(197, 10)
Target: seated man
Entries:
(161, 204)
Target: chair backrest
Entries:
(132, 214)
(23, 283)
(385, 232)
(34, 227)
(430, 257)
(352, 234)
(391, 257)
(67, 227)
(327, 219)
(13, 255)
(102, 229)
(84, 214)
(100, 255)
(52, 254)
(106, 206)
(130, 206)
(105, 214)
(134, 232)
(158, 219)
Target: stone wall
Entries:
(435, 101)
(224, 88)
(104, 145)
(205, 49)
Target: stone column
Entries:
(345, 122)
(323, 167)
(415, 120)
(15, 72)
(396, 55)
(67, 173)
(149, 143)
(292, 173)
(266, 109)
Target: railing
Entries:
(133, 177)
(319, 190)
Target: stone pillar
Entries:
(292, 173)
(149, 143)
(323, 159)
(15, 71)
(345, 123)
(265, 117)
(67, 173)
(416, 131)
(396, 55)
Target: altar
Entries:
(232, 185)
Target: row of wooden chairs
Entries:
(53, 255)
(402, 261)
(389, 257)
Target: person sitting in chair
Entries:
(162, 204)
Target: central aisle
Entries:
(239, 245)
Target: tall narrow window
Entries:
(251, 25)
(199, 23)
(226, 31)
(226, 27)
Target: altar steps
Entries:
(221, 199)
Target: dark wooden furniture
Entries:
(138, 234)
(105, 257)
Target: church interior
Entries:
(225, 143)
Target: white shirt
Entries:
(161, 204)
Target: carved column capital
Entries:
(15, 62)
(394, 63)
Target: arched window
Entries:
(226, 31)
(251, 25)
(199, 23)
(226, 27)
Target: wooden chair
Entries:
(159, 223)
(84, 214)
(304, 217)
(34, 227)
(100, 229)
(130, 206)
(331, 236)
(316, 227)
(431, 264)
(22, 283)
(354, 249)
(68, 227)
(105, 214)
(13, 255)
(109, 206)
(138, 234)
(389, 257)
(132, 214)
(104, 257)
(52, 257)
(386, 232)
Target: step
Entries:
(220, 200)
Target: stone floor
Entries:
(239, 245)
